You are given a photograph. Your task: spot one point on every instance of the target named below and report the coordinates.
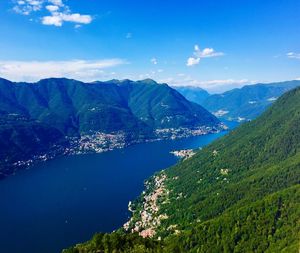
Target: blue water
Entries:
(62, 202)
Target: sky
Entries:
(214, 44)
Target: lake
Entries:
(62, 202)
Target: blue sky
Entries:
(216, 44)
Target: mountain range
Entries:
(240, 104)
(40, 120)
(239, 194)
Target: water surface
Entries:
(62, 202)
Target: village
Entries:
(184, 154)
(146, 220)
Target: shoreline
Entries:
(98, 142)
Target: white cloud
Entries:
(52, 20)
(25, 7)
(52, 8)
(191, 61)
(154, 61)
(57, 2)
(59, 12)
(218, 83)
(214, 86)
(58, 18)
(206, 52)
(198, 54)
(77, 69)
(293, 55)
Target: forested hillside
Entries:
(22, 140)
(58, 115)
(75, 107)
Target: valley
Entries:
(239, 193)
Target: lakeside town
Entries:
(184, 132)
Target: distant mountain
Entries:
(247, 102)
(239, 194)
(93, 116)
(194, 94)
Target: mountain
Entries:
(84, 117)
(239, 194)
(247, 102)
(75, 107)
(194, 94)
(23, 140)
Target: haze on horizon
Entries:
(216, 45)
